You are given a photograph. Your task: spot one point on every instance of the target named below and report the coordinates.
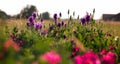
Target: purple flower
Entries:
(28, 24)
(87, 17)
(42, 19)
(31, 19)
(55, 17)
(51, 27)
(34, 15)
(83, 20)
(38, 25)
(60, 14)
(59, 24)
(62, 23)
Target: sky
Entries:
(80, 7)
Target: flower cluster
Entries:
(32, 23)
(12, 44)
(108, 57)
(87, 58)
(52, 57)
(85, 20)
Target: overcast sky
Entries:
(55, 6)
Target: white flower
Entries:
(116, 38)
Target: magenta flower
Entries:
(103, 52)
(87, 58)
(109, 35)
(78, 60)
(109, 58)
(111, 47)
(75, 49)
(91, 58)
(52, 57)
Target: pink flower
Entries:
(52, 57)
(111, 47)
(103, 52)
(75, 49)
(12, 44)
(109, 58)
(87, 58)
(78, 60)
(91, 58)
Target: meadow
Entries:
(57, 41)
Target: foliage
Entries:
(73, 42)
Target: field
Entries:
(65, 46)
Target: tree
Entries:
(46, 15)
(3, 15)
(27, 11)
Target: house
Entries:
(111, 17)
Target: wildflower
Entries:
(74, 13)
(65, 24)
(111, 47)
(62, 23)
(38, 25)
(68, 11)
(31, 19)
(34, 15)
(51, 27)
(12, 44)
(87, 58)
(12, 36)
(103, 52)
(72, 42)
(42, 19)
(116, 38)
(78, 60)
(83, 21)
(55, 17)
(28, 24)
(59, 24)
(109, 58)
(109, 35)
(60, 14)
(87, 17)
(44, 32)
(74, 32)
(52, 57)
(75, 49)
(91, 58)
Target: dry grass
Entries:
(111, 26)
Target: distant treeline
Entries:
(25, 13)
